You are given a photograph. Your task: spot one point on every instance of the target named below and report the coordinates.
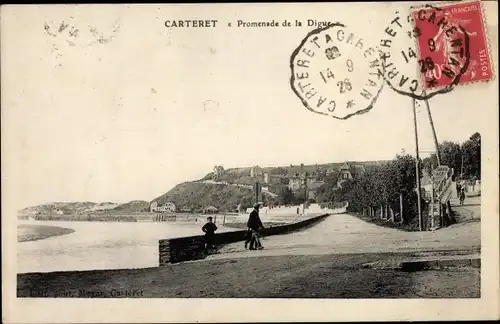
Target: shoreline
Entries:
(36, 232)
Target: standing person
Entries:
(459, 188)
(255, 225)
(462, 196)
(209, 229)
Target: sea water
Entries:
(100, 245)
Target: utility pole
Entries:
(417, 167)
(257, 192)
(305, 189)
(462, 169)
(433, 130)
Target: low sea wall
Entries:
(191, 247)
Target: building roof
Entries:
(354, 169)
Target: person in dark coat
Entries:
(209, 229)
(459, 188)
(254, 225)
(462, 196)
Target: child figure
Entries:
(462, 196)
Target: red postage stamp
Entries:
(452, 43)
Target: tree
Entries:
(286, 196)
(299, 197)
(246, 202)
(278, 171)
(451, 155)
(429, 163)
(471, 152)
(383, 187)
(402, 175)
(326, 193)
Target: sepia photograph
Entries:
(256, 154)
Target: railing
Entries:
(442, 180)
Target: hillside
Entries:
(74, 208)
(65, 207)
(133, 207)
(196, 196)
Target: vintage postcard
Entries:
(250, 162)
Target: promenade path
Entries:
(344, 233)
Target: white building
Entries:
(168, 207)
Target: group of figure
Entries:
(253, 234)
(254, 230)
(460, 186)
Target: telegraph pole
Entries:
(305, 188)
(433, 130)
(257, 192)
(417, 167)
(462, 168)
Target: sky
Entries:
(149, 107)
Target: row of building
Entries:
(297, 178)
(169, 207)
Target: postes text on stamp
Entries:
(334, 73)
(443, 29)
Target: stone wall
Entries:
(191, 247)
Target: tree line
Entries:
(451, 154)
(388, 191)
(383, 190)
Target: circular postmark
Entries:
(424, 53)
(334, 73)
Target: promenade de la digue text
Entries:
(213, 23)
